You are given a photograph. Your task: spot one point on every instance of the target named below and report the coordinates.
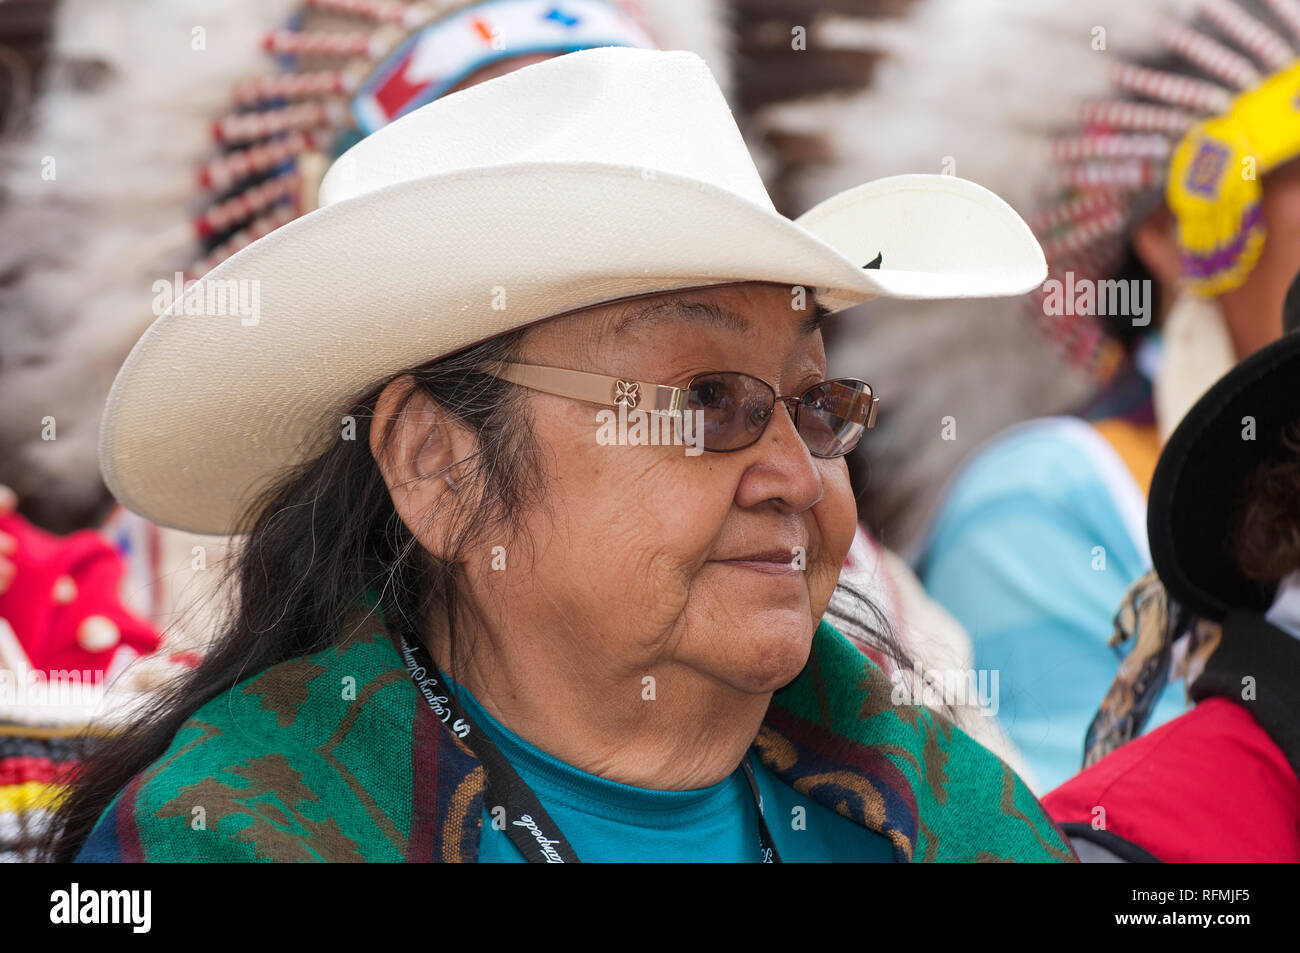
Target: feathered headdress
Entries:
(1198, 128)
(348, 67)
(1072, 112)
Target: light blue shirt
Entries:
(1038, 539)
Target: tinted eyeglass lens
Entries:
(736, 408)
(833, 415)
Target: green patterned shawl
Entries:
(336, 757)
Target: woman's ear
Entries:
(416, 459)
(1156, 244)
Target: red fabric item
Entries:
(47, 629)
(24, 768)
(1209, 786)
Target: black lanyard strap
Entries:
(528, 825)
(766, 846)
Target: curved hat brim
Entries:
(1199, 478)
(209, 406)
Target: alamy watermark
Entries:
(57, 688)
(75, 905)
(644, 428)
(1111, 297)
(236, 297)
(939, 687)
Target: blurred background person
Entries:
(1170, 227)
(1222, 612)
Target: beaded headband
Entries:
(338, 83)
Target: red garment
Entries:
(59, 583)
(1208, 786)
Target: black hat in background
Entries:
(1198, 480)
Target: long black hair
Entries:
(323, 534)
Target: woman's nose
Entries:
(782, 468)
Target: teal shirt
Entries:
(607, 821)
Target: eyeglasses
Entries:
(734, 408)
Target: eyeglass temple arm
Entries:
(595, 388)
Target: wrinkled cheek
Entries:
(837, 521)
(837, 518)
(625, 583)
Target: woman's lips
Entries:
(773, 563)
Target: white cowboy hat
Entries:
(590, 177)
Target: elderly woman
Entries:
(491, 607)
